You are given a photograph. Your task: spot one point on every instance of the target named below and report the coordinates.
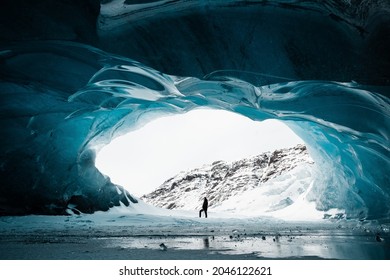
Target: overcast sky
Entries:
(143, 159)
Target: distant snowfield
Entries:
(283, 197)
(273, 184)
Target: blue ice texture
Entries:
(62, 101)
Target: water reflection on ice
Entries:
(324, 245)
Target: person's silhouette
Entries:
(204, 208)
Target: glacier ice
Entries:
(61, 101)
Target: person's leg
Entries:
(205, 213)
(200, 213)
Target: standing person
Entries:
(204, 208)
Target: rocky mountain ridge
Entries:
(221, 180)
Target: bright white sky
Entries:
(143, 159)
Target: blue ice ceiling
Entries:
(320, 66)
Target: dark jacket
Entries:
(205, 204)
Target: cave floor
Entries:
(143, 237)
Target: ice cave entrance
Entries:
(142, 160)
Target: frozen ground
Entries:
(119, 234)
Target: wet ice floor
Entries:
(307, 246)
(144, 237)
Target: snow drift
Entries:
(62, 101)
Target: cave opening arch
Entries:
(314, 110)
(144, 159)
(54, 146)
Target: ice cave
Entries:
(77, 74)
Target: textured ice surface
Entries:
(327, 40)
(62, 101)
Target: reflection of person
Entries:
(206, 243)
(204, 208)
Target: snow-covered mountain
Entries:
(263, 183)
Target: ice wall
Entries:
(324, 40)
(57, 112)
(61, 101)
